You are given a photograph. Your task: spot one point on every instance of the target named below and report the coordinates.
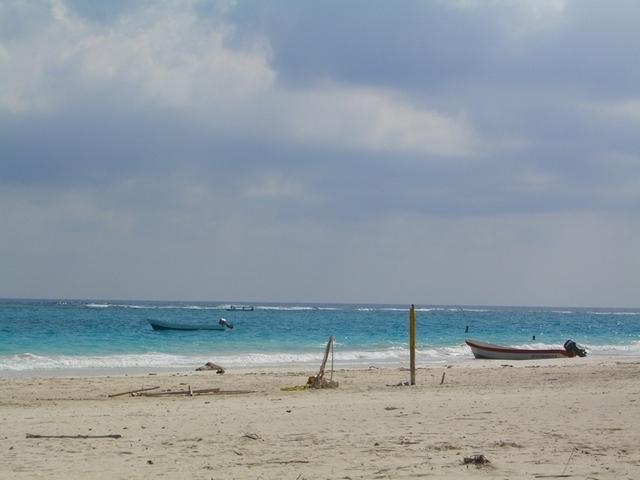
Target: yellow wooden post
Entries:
(412, 343)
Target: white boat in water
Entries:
(498, 352)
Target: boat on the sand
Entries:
(499, 352)
(162, 325)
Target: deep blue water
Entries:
(45, 334)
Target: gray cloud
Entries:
(176, 141)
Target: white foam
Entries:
(632, 349)
(156, 307)
(614, 313)
(393, 356)
(284, 308)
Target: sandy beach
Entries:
(576, 418)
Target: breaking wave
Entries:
(362, 358)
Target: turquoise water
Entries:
(73, 334)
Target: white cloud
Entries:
(536, 181)
(628, 109)
(376, 120)
(177, 60)
(274, 186)
(622, 114)
(166, 54)
(520, 17)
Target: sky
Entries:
(430, 152)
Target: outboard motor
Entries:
(571, 347)
(224, 323)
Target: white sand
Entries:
(533, 420)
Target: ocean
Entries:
(45, 336)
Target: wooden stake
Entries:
(570, 457)
(412, 343)
(442, 379)
(318, 380)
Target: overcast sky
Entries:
(449, 151)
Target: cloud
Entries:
(274, 186)
(171, 58)
(376, 121)
(526, 16)
(167, 55)
(310, 136)
(198, 246)
(626, 109)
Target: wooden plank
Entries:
(133, 391)
(114, 435)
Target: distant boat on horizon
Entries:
(240, 308)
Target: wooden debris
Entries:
(191, 392)
(570, 457)
(477, 460)
(315, 382)
(442, 379)
(277, 462)
(234, 392)
(252, 436)
(180, 392)
(211, 366)
(403, 383)
(553, 476)
(319, 381)
(114, 435)
(133, 391)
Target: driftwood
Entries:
(181, 392)
(211, 366)
(319, 381)
(190, 392)
(553, 476)
(133, 391)
(570, 457)
(277, 462)
(234, 392)
(114, 435)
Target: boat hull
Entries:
(160, 325)
(497, 352)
